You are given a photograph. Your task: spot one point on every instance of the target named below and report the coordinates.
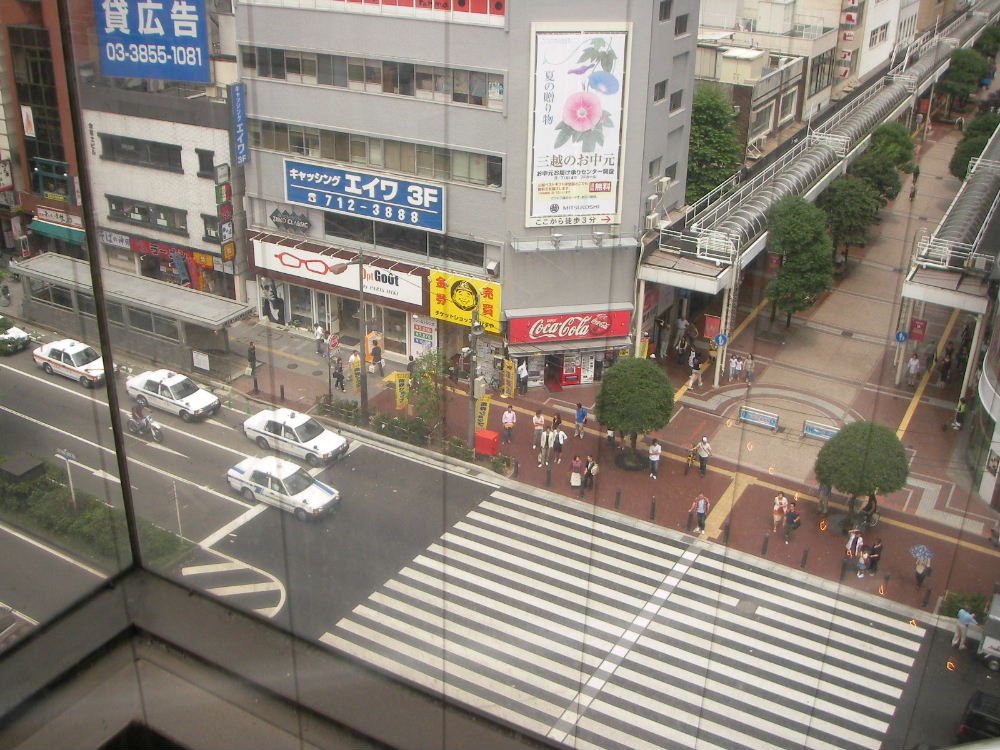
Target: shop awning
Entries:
(58, 231)
(580, 345)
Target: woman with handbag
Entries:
(576, 472)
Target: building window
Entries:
(681, 25)
(659, 91)
(426, 245)
(211, 224)
(206, 163)
(654, 168)
(821, 71)
(666, 8)
(368, 151)
(35, 84)
(787, 106)
(50, 179)
(150, 154)
(671, 171)
(878, 35)
(676, 100)
(164, 218)
(761, 122)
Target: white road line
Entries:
(19, 613)
(230, 527)
(53, 552)
(245, 588)
(195, 570)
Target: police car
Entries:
(172, 392)
(282, 484)
(72, 359)
(296, 434)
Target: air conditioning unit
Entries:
(653, 220)
(663, 184)
(651, 202)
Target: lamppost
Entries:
(338, 269)
(475, 331)
(69, 458)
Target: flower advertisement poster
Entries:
(578, 96)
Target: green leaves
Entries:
(715, 151)
(597, 53)
(864, 458)
(797, 232)
(850, 205)
(880, 173)
(636, 397)
(963, 75)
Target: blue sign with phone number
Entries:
(374, 196)
(166, 40)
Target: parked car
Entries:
(174, 393)
(284, 485)
(12, 338)
(299, 435)
(981, 719)
(72, 359)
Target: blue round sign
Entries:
(902, 336)
(722, 339)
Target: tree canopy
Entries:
(988, 43)
(636, 398)
(892, 141)
(715, 152)
(850, 205)
(864, 458)
(880, 173)
(963, 75)
(797, 232)
(427, 392)
(966, 150)
(985, 124)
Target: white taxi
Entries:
(172, 392)
(296, 434)
(282, 484)
(72, 359)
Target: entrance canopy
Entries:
(58, 231)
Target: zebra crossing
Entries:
(597, 633)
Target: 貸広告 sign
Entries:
(373, 196)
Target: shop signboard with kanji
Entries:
(454, 298)
(359, 193)
(578, 88)
(164, 40)
(596, 325)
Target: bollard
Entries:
(580, 494)
(652, 509)
(690, 523)
(725, 532)
(282, 392)
(805, 557)
(844, 564)
(763, 547)
(256, 388)
(618, 498)
(548, 476)
(517, 467)
(927, 597)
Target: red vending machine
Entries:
(571, 369)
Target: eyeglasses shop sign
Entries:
(379, 282)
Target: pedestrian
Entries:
(963, 405)
(556, 421)
(930, 355)
(576, 472)
(792, 522)
(682, 350)
(778, 511)
(732, 367)
(354, 360)
(700, 506)
(913, 192)
(611, 437)
(923, 570)
(410, 364)
(545, 443)
(522, 378)
(682, 327)
(748, 365)
(704, 450)
(854, 543)
(739, 369)
(538, 426)
(377, 358)
(320, 335)
(655, 449)
(560, 441)
(861, 561)
(581, 419)
(944, 367)
(338, 374)
(874, 555)
(916, 173)
(252, 358)
(695, 364)
(962, 622)
(507, 420)
(912, 370)
(590, 470)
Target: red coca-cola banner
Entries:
(569, 327)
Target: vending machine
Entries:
(571, 369)
(588, 362)
(536, 370)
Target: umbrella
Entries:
(921, 552)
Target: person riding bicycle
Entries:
(870, 509)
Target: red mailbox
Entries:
(487, 442)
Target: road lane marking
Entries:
(249, 515)
(725, 504)
(244, 588)
(194, 570)
(53, 552)
(922, 385)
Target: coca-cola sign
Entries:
(596, 325)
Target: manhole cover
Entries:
(293, 366)
(317, 373)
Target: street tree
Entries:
(636, 398)
(985, 124)
(850, 205)
(864, 458)
(988, 43)
(966, 151)
(880, 173)
(892, 141)
(963, 75)
(715, 152)
(797, 232)
(427, 390)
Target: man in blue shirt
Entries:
(581, 419)
(962, 623)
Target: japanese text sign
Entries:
(165, 40)
(453, 298)
(374, 196)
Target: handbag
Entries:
(574, 479)
(371, 368)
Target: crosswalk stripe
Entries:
(194, 570)
(644, 721)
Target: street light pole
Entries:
(338, 269)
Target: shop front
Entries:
(568, 346)
(56, 231)
(297, 286)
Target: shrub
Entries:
(408, 429)
(977, 604)
(456, 448)
(500, 463)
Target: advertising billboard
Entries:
(166, 40)
(596, 325)
(453, 298)
(358, 193)
(578, 95)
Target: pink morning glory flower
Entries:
(582, 111)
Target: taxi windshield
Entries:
(298, 482)
(84, 356)
(309, 430)
(183, 388)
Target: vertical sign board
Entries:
(578, 99)
(165, 40)
(241, 145)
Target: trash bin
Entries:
(487, 442)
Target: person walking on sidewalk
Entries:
(792, 522)
(338, 374)
(252, 358)
(700, 506)
(522, 378)
(695, 364)
(576, 472)
(556, 421)
(732, 367)
(962, 622)
(912, 370)
(944, 367)
(778, 511)
(748, 365)
(508, 419)
(923, 571)
(916, 174)
(590, 470)
(874, 555)
(320, 335)
(655, 449)
(704, 450)
(377, 358)
(537, 427)
(581, 419)
(560, 441)
(861, 563)
(854, 543)
(545, 443)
